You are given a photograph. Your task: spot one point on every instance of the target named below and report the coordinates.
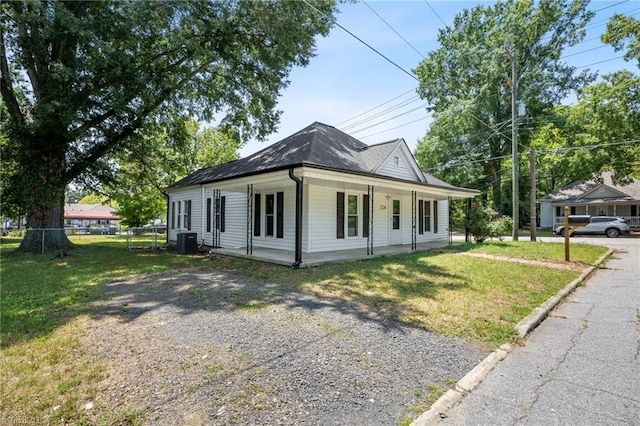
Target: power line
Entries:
(389, 119)
(494, 130)
(360, 40)
(600, 62)
(393, 29)
(374, 108)
(600, 145)
(403, 104)
(434, 12)
(393, 128)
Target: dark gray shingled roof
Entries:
(316, 144)
(575, 191)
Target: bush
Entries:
(484, 224)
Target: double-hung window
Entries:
(352, 215)
(269, 212)
(273, 215)
(427, 216)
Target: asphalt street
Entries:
(581, 366)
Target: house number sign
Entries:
(383, 207)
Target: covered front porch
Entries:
(624, 209)
(287, 257)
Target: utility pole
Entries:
(514, 143)
(532, 201)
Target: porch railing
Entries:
(634, 222)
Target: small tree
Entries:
(483, 223)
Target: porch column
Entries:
(250, 219)
(216, 218)
(414, 203)
(450, 199)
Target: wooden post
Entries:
(566, 233)
(532, 204)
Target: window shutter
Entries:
(222, 214)
(280, 215)
(187, 214)
(340, 215)
(421, 217)
(257, 213)
(173, 215)
(435, 216)
(365, 216)
(208, 214)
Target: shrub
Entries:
(483, 224)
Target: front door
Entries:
(395, 230)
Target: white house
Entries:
(316, 191)
(595, 198)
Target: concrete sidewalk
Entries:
(581, 366)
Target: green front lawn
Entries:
(47, 375)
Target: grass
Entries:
(46, 375)
(476, 299)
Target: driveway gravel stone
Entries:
(201, 346)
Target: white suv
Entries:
(610, 226)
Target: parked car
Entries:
(610, 226)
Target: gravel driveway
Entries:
(207, 347)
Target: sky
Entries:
(351, 87)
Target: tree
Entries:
(624, 32)
(159, 158)
(93, 198)
(467, 82)
(598, 134)
(80, 79)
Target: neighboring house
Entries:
(90, 216)
(316, 191)
(593, 198)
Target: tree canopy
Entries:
(158, 158)
(80, 79)
(467, 80)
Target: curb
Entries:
(473, 378)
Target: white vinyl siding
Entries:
(288, 240)
(235, 220)
(322, 217)
(400, 164)
(443, 223)
(178, 200)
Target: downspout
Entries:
(202, 213)
(298, 255)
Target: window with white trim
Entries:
(352, 215)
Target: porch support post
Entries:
(299, 194)
(450, 198)
(250, 219)
(414, 196)
(216, 218)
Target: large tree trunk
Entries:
(46, 229)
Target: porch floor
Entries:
(287, 257)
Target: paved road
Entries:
(581, 366)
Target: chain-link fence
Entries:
(45, 240)
(146, 237)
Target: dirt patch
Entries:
(567, 266)
(205, 347)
